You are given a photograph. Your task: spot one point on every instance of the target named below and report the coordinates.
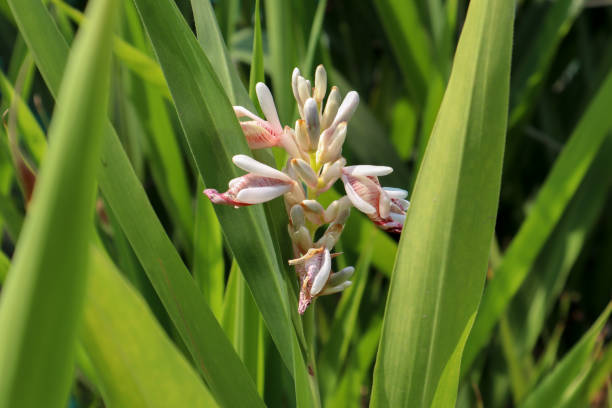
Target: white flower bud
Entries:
(331, 107)
(305, 172)
(303, 89)
(297, 216)
(301, 135)
(320, 84)
(330, 144)
(332, 172)
(311, 112)
(341, 276)
(347, 108)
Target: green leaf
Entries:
(135, 363)
(348, 390)
(313, 38)
(257, 62)
(5, 263)
(214, 136)
(558, 388)
(208, 263)
(345, 321)
(210, 349)
(211, 40)
(33, 135)
(137, 61)
(411, 44)
(281, 26)
(542, 44)
(545, 281)
(561, 184)
(42, 300)
(443, 252)
(243, 324)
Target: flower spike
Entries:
(314, 165)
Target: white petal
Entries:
(320, 83)
(287, 141)
(398, 218)
(249, 164)
(341, 276)
(256, 195)
(266, 101)
(321, 277)
(303, 89)
(357, 201)
(368, 171)
(294, 83)
(384, 204)
(336, 289)
(347, 108)
(405, 204)
(331, 107)
(241, 111)
(396, 192)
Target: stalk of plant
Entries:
(315, 163)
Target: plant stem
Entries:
(310, 334)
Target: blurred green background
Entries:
(398, 55)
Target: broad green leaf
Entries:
(557, 389)
(561, 184)
(210, 349)
(443, 252)
(214, 136)
(42, 300)
(135, 363)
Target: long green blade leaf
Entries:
(562, 183)
(444, 249)
(134, 361)
(559, 387)
(42, 301)
(214, 137)
(212, 352)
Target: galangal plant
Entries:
(124, 286)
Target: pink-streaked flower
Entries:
(260, 133)
(386, 207)
(313, 271)
(262, 184)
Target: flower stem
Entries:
(310, 334)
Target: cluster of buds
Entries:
(315, 163)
